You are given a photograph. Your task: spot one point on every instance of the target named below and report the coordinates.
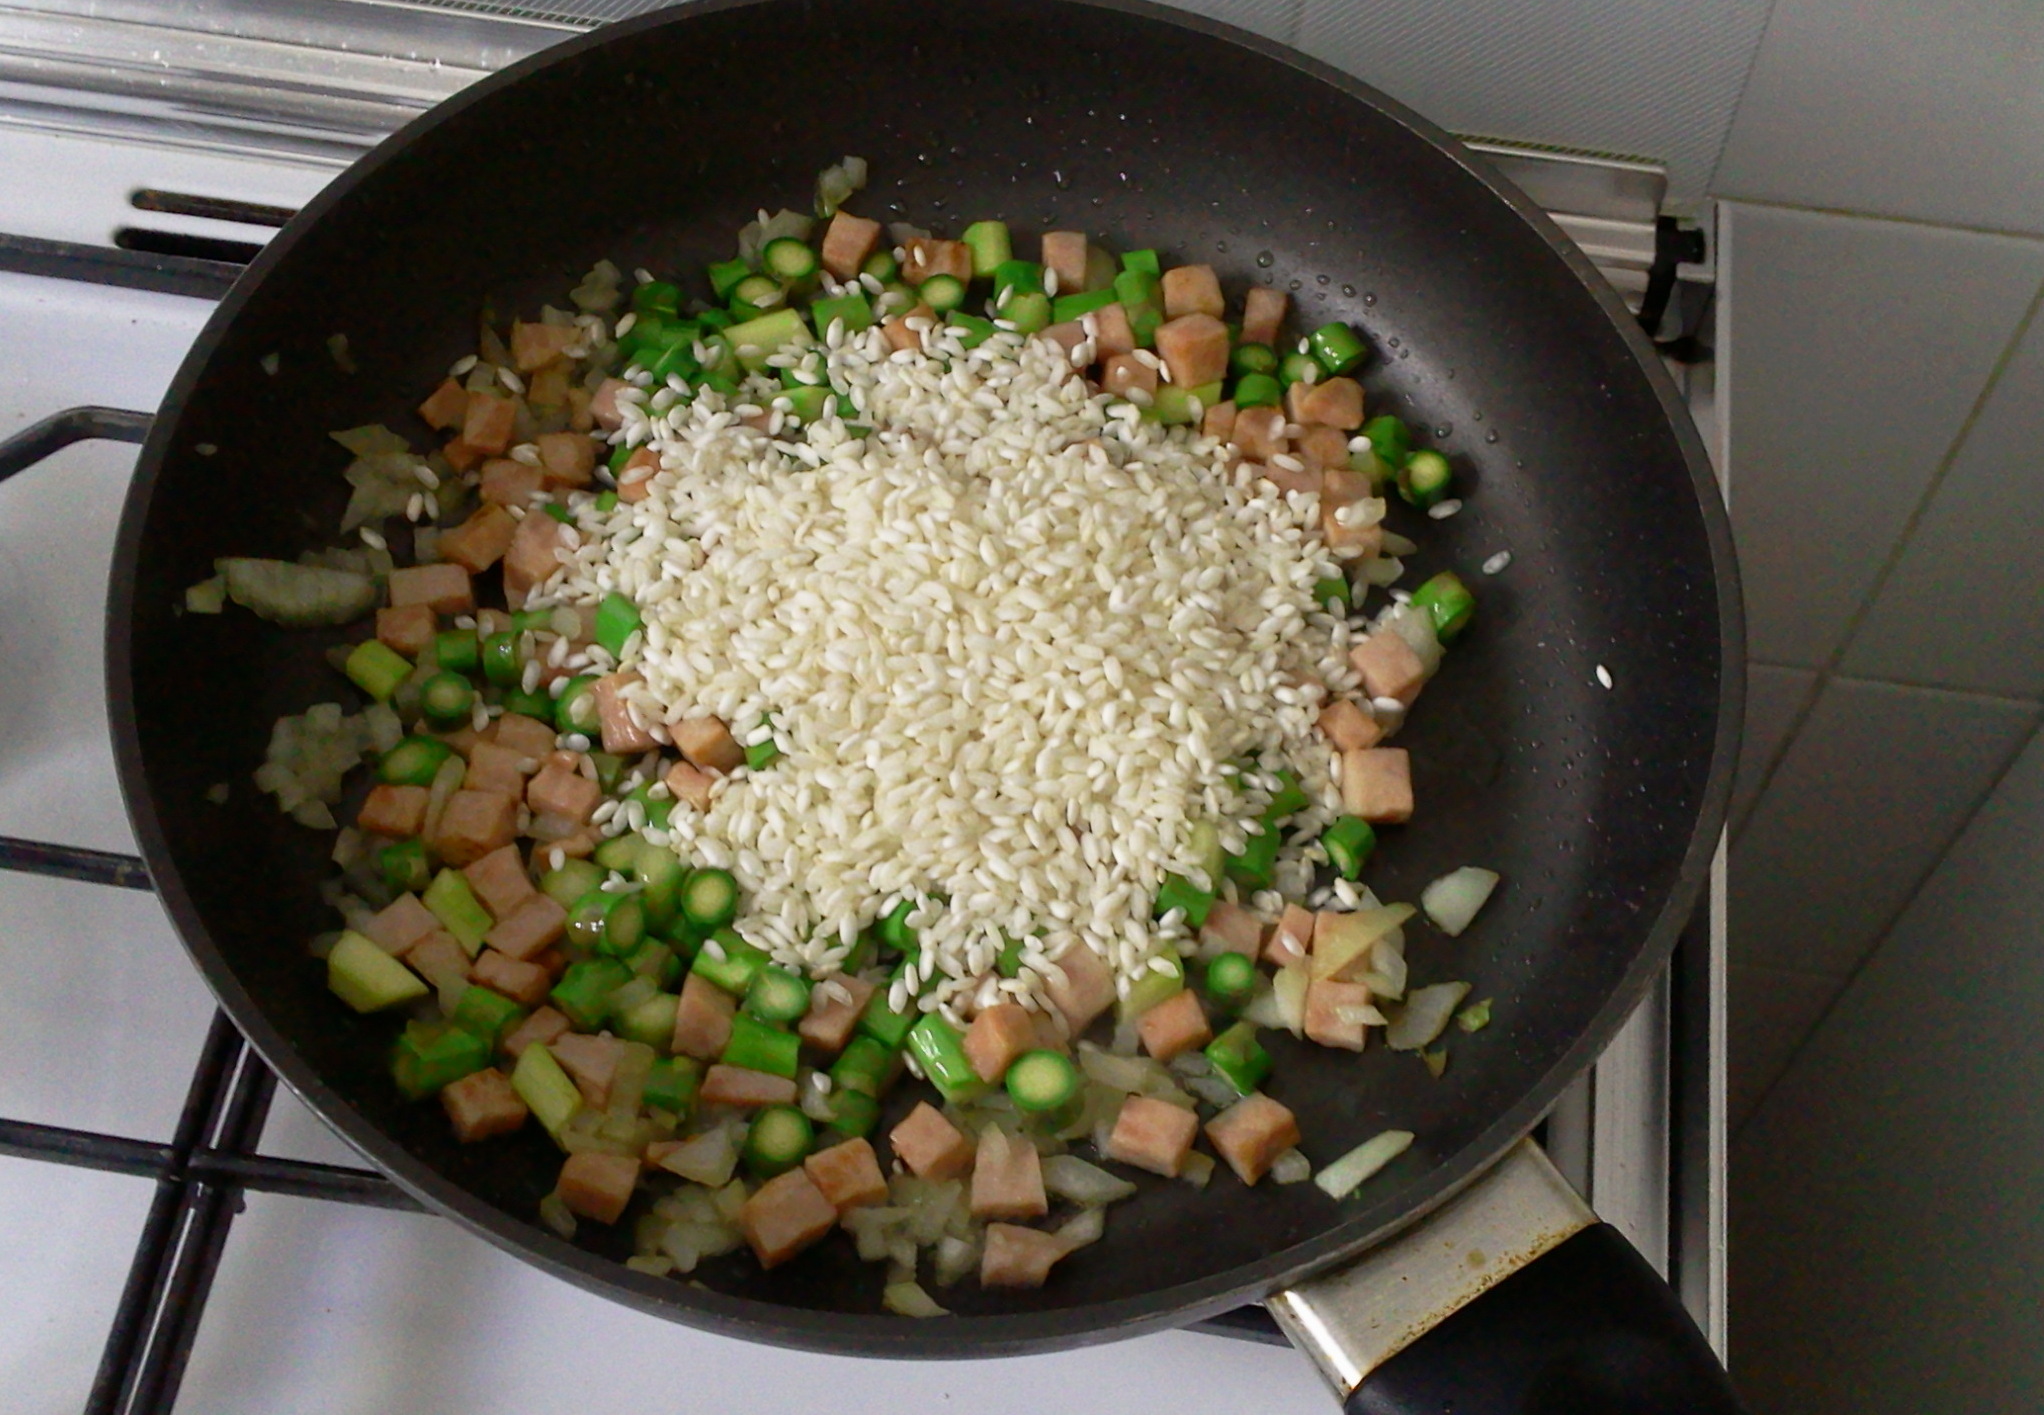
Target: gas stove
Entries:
(178, 1232)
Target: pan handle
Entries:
(1511, 1299)
(59, 430)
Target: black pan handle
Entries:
(1512, 1299)
(59, 430)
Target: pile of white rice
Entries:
(1011, 645)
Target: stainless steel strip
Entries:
(1353, 1320)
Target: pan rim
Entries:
(999, 1334)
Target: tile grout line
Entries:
(1847, 213)
(1889, 925)
(1829, 669)
(1985, 695)
(1738, 101)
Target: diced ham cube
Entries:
(482, 1105)
(1018, 1257)
(931, 1146)
(527, 736)
(1123, 372)
(400, 924)
(547, 390)
(447, 408)
(1388, 667)
(1322, 448)
(1081, 987)
(1376, 784)
(1007, 1178)
(997, 1036)
(598, 1186)
(1193, 289)
(579, 416)
(848, 243)
(488, 423)
(1337, 402)
(1111, 331)
(622, 733)
(591, 1063)
(444, 589)
(1232, 929)
(566, 459)
(1251, 1133)
(689, 783)
(533, 926)
(524, 983)
(1291, 938)
(1288, 481)
(1219, 421)
(534, 346)
(603, 406)
(492, 766)
(786, 1215)
(702, 1023)
(901, 338)
(1260, 433)
(848, 1175)
(1195, 348)
(707, 743)
(1064, 252)
(563, 792)
(531, 560)
(929, 257)
(1326, 999)
(635, 478)
(500, 881)
(480, 541)
(1263, 315)
(460, 456)
(1175, 1025)
(1347, 727)
(407, 629)
(1153, 1135)
(443, 962)
(474, 824)
(1067, 336)
(393, 810)
(735, 1085)
(543, 1027)
(830, 1021)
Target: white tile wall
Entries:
(1774, 698)
(1648, 78)
(1887, 1251)
(1771, 1011)
(1897, 108)
(1857, 350)
(1963, 608)
(1875, 786)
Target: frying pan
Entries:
(650, 142)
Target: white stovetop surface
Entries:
(318, 1307)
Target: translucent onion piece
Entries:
(1341, 1178)
(1424, 1016)
(1452, 900)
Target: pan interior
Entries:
(651, 147)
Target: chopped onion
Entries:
(297, 596)
(1475, 1017)
(907, 1299)
(1122, 1073)
(1383, 570)
(1213, 1090)
(754, 236)
(1385, 976)
(1416, 627)
(1452, 900)
(1424, 1016)
(207, 596)
(554, 1213)
(836, 183)
(1291, 1167)
(873, 1229)
(955, 1258)
(1197, 1169)
(1353, 935)
(1289, 988)
(1069, 1177)
(1086, 1226)
(1364, 1014)
(1341, 1178)
(707, 1158)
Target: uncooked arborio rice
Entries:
(1009, 643)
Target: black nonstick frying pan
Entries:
(651, 142)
